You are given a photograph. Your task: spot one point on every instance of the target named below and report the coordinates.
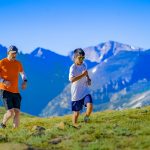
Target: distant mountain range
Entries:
(47, 74)
(120, 78)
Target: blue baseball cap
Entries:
(13, 49)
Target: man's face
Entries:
(12, 56)
(79, 59)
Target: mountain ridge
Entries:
(108, 78)
(117, 67)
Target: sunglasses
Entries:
(81, 57)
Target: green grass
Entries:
(107, 130)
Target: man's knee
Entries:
(17, 112)
(10, 113)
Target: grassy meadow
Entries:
(108, 130)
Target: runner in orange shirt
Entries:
(10, 69)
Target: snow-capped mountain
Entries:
(105, 50)
(47, 74)
(116, 70)
(113, 84)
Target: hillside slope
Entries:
(107, 130)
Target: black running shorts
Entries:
(11, 100)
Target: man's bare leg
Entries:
(8, 115)
(16, 119)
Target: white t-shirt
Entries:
(79, 88)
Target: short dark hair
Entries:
(79, 51)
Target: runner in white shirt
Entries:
(78, 75)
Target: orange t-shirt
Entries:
(9, 70)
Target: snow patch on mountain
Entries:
(39, 53)
(105, 50)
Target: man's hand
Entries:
(6, 83)
(24, 85)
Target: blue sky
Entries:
(63, 25)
